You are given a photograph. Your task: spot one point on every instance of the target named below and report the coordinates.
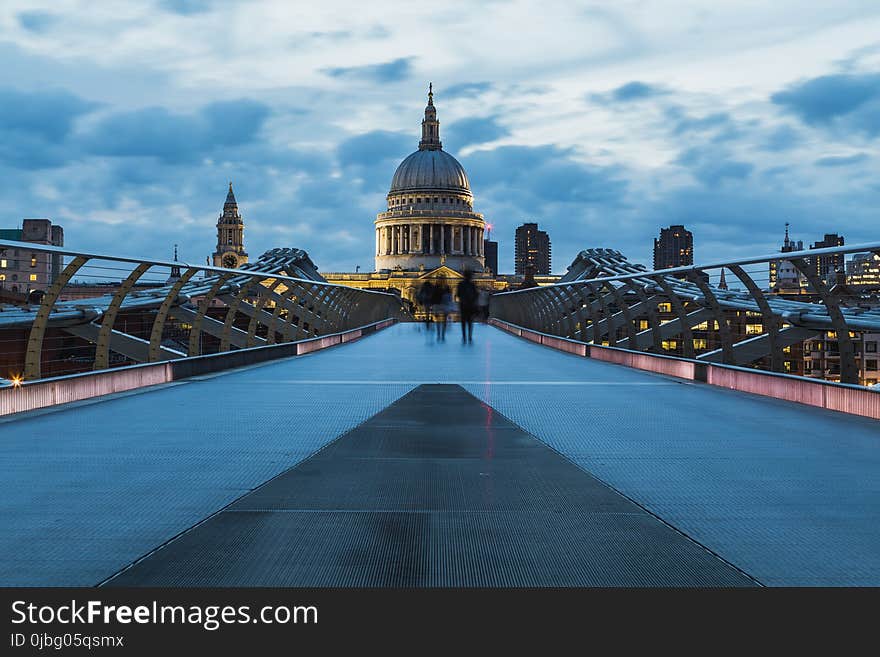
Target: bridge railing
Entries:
(785, 312)
(64, 311)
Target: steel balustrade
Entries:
(307, 307)
(603, 297)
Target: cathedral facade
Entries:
(429, 230)
(430, 219)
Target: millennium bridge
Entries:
(166, 424)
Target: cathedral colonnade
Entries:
(429, 238)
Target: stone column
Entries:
(430, 238)
(442, 239)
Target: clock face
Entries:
(230, 261)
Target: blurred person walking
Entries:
(442, 304)
(425, 297)
(483, 305)
(467, 301)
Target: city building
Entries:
(827, 266)
(23, 271)
(822, 357)
(863, 272)
(230, 251)
(674, 248)
(490, 249)
(532, 250)
(784, 277)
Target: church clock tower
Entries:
(230, 251)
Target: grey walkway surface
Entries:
(436, 490)
(787, 493)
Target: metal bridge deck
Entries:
(785, 493)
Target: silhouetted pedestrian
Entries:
(425, 297)
(441, 302)
(467, 302)
(483, 305)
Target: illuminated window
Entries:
(643, 324)
(700, 343)
(3, 264)
(664, 307)
(2, 277)
(33, 259)
(832, 335)
(754, 329)
(702, 327)
(786, 350)
(787, 366)
(669, 345)
(33, 277)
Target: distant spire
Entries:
(175, 270)
(722, 284)
(430, 125)
(230, 197)
(787, 239)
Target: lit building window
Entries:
(33, 260)
(33, 277)
(664, 307)
(669, 345)
(3, 264)
(701, 343)
(2, 277)
(702, 327)
(754, 329)
(643, 324)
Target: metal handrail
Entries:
(608, 306)
(775, 257)
(250, 273)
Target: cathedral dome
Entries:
(429, 170)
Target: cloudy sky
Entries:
(602, 121)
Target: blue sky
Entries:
(601, 121)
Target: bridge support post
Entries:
(162, 314)
(771, 321)
(33, 357)
(678, 308)
(102, 350)
(723, 325)
(849, 371)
